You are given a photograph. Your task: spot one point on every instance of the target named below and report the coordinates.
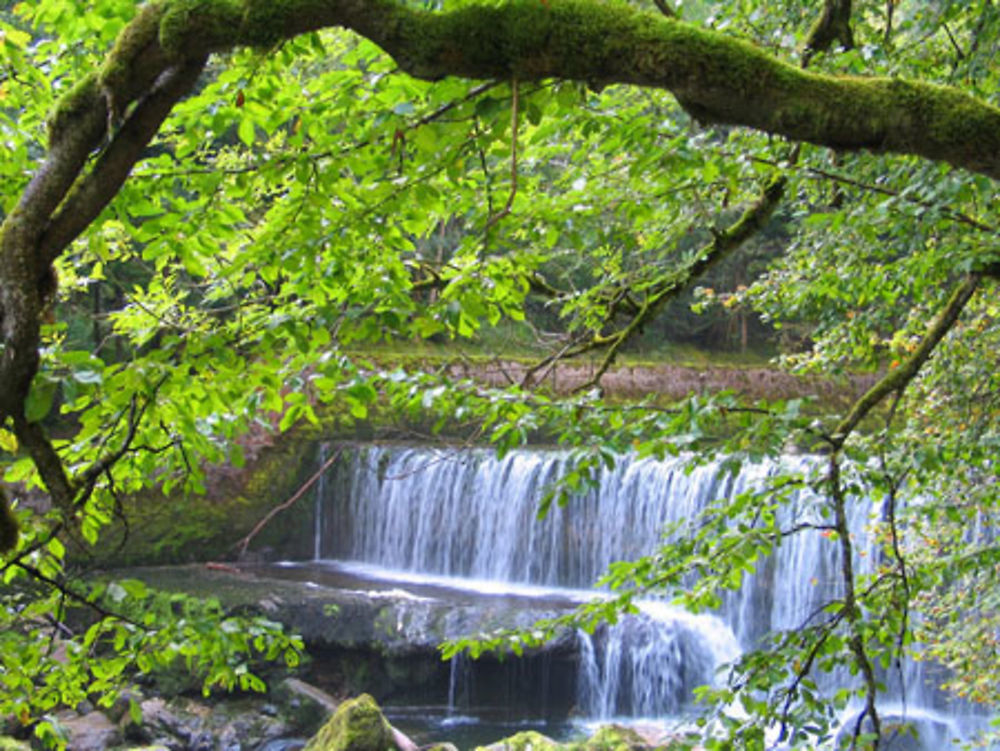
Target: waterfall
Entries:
(649, 664)
(470, 514)
(467, 513)
(320, 496)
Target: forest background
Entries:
(214, 211)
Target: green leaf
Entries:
(40, 399)
(247, 131)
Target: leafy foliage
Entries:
(307, 202)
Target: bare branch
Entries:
(751, 221)
(513, 159)
(245, 542)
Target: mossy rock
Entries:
(615, 738)
(12, 744)
(529, 740)
(357, 725)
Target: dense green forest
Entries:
(215, 211)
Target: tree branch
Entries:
(103, 182)
(245, 542)
(717, 78)
(899, 377)
(833, 25)
(751, 221)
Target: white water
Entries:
(466, 517)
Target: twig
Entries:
(66, 592)
(513, 160)
(664, 7)
(242, 544)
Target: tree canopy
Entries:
(213, 208)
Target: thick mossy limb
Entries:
(141, 34)
(718, 78)
(189, 25)
(73, 106)
(192, 27)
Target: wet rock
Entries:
(607, 738)
(120, 711)
(283, 744)
(159, 720)
(202, 740)
(357, 725)
(902, 733)
(616, 738)
(91, 732)
(529, 740)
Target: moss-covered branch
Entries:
(833, 25)
(95, 190)
(716, 77)
(898, 378)
(723, 244)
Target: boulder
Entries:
(91, 732)
(357, 725)
(529, 740)
(616, 738)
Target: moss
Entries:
(266, 22)
(11, 744)
(72, 106)
(140, 33)
(357, 725)
(183, 527)
(614, 738)
(529, 740)
(209, 25)
(200, 25)
(528, 38)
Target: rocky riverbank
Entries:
(293, 716)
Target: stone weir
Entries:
(363, 633)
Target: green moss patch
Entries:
(357, 725)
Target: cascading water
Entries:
(320, 496)
(468, 514)
(647, 665)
